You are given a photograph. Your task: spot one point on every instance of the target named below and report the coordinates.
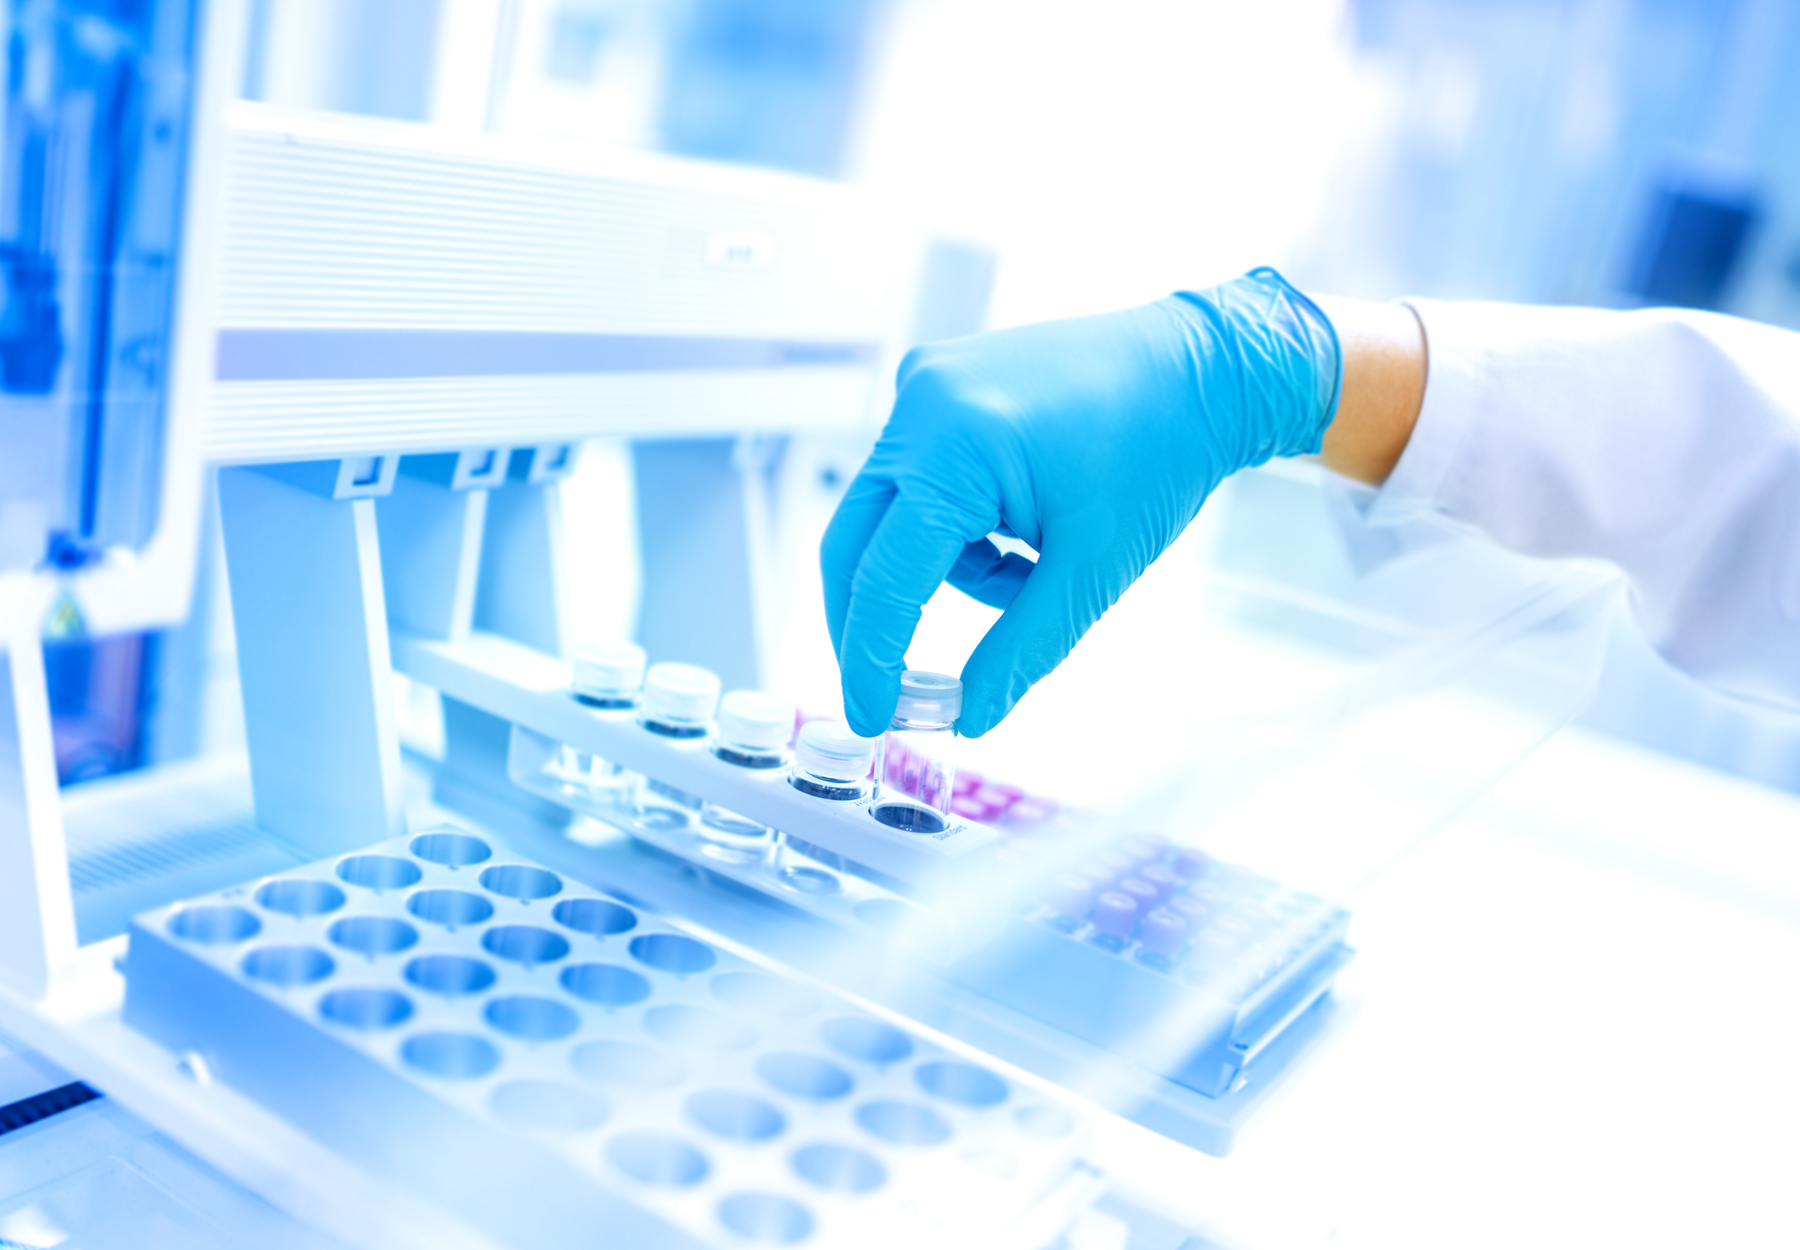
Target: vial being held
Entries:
(754, 730)
(678, 703)
(608, 677)
(915, 769)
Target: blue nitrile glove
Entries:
(1095, 440)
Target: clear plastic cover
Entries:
(1335, 706)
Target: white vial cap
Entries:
(680, 692)
(931, 698)
(828, 749)
(608, 668)
(750, 718)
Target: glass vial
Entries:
(608, 677)
(754, 731)
(678, 703)
(915, 769)
(831, 763)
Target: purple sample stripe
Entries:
(291, 355)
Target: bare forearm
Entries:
(1384, 385)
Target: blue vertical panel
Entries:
(380, 61)
(1692, 246)
(92, 161)
(387, 61)
(766, 82)
(97, 106)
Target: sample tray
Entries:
(1055, 1023)
(545, 1061)
(1255, 956)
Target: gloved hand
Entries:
(1095, 440)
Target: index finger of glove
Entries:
(912, 549)
(858, 514)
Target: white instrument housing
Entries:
(390, 288)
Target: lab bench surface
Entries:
(1581, 1003)
(1579, 1012)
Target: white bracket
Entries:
(304, 566)
(37, 907)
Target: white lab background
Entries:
(1109, 154)
(1579, 1008)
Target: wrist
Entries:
(1386, 362)
(1268, 362)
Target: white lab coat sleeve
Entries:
(1665, 441)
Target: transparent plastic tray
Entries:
(1388, 674)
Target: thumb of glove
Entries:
(1058, 603)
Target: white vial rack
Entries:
(546, 1062)
(848, 899)
(531, 689)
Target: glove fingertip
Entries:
(863, 715)
(973, 725)
(981, 709)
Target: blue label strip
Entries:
(292, 355)
(29, 1111)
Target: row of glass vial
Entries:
(911, 769)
